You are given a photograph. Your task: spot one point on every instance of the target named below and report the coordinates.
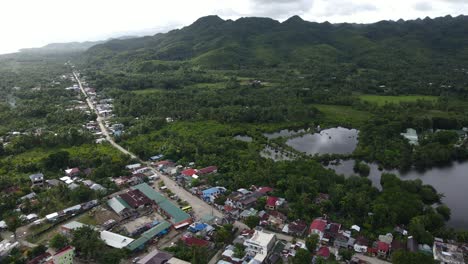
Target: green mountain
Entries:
(409, 56)
(216, 43)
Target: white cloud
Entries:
(29, 23)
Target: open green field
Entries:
(383, 99)
(342, 115)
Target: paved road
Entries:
(100, 121)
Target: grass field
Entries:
(343, 115)
(382, 99)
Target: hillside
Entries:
(410, 54)
(213, 42)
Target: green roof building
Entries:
(176, 216)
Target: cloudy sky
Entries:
(33, 23)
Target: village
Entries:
(161, 203)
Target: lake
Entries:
(451, 181)
(336, 140)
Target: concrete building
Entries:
(260, 245)
(37, 179)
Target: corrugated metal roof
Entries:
(156, 230)
(148, 235)
(117, 204)
(177, 214)
(115, 240)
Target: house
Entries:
(28, 196)
(343, 241)
(383, 249)
(260, 245)
(247, 213)
(189, 172)
(156, 157)
(332, 230)
(207, 170)
(68, 228)
(97, 187)
(296, 228)
(228, 255)
(190, 241)
(247, 202)
(53, 183)
(37, 180)
(318, 227)
(361, 244)
(323, 252)
(133, 166)
(115, 240)
(276, 220)
(88, 183)
(160, 257)
(63, 256)
(264, 190)
(271, 203)
(210, 194)
(73, 172)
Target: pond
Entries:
(283, 133)
(336, 140)
(451, 181)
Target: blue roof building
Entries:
(211, 193)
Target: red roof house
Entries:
(189, 172)
(324, 252)
(382, 248)
(208, 170)
(193, 241)
(318, 227)
(271, 203)
(264, 190)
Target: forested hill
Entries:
(216, 43)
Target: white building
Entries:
(115, 240)
(259, 245)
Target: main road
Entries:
(200, 208)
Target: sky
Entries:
(34, 23)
